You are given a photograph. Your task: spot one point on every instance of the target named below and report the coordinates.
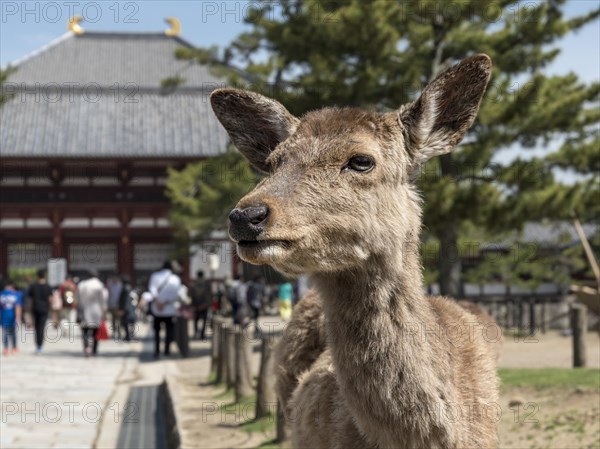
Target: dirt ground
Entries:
(556, 417)
(549, 350)
(553, 418)
(532, 417)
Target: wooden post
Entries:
(214, 344)
(222, 365)
(281, 424)
(579, 328)
(243, 376)
(532, 320)
(520, 313)
(230, 351)
(265, 389)
(544, 317)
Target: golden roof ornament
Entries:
(175, 29)
(73, 25)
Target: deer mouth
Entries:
(263, 243)
(263, 251)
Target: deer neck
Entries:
(375, 320)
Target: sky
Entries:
(27, 26)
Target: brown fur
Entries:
(305, 340)
(399, 369)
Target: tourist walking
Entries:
(68, 290)
(285, 294)
(92, 306)
(240, 311)
(201, 294)
(255, 296)
(114, 286)
(39, 295)
(164, 287)
(127, 307)
(11, 303)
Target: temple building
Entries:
(93, 122)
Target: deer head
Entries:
(339, 186)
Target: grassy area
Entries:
(212, 378)
(271, 444)
(264, 424)
(245, 404)
(225, 394)
(550, 377)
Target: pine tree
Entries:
(4, 95)
(203, 194)
(314, 53)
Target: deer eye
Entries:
(360, 163)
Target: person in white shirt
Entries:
(92, 302)
(164, 287)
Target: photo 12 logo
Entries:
(71, 412)
(54, 12)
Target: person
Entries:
(285, 294)
(92, 300)
(39, 295)
(201, 294)
(126, 307)
(255, 296)
(164, 286)
(67, 291)
(240, 310)
(114, 286)
(11, 303)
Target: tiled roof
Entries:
(99, 95)
(143, 59)
(177, 125)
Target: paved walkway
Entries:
(60, 399)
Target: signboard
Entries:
(57, 271)
(213, 262)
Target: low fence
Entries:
(530, 312)
(231, 351)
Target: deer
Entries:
(339, 203)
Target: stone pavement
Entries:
(60, 399)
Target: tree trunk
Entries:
(450, 266)
(266, 398)
(231, 356)
(243, 376)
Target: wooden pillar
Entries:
(214, 348)
(231, 356)
(222, 366)
(544, 318)
(125, 248)
(57, 240)
(532, 317)
(243, 376)
(3, 256)
(265, 389)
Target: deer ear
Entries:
(438, 120)
(255, 123)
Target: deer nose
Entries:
(247, 223)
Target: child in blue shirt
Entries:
(11, 302)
